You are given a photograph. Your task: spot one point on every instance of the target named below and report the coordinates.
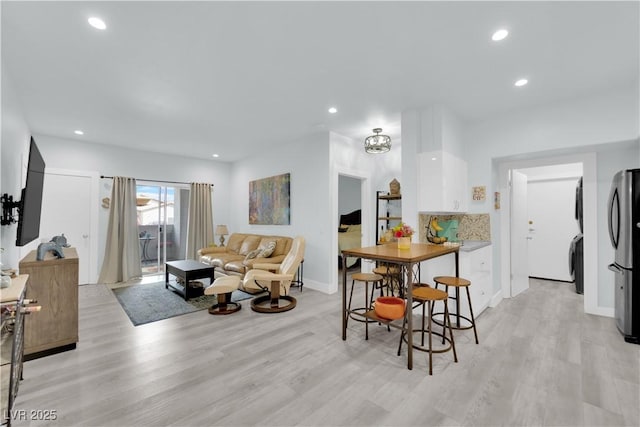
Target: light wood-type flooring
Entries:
(540, 361)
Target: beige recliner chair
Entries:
(276, 279)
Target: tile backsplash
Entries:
(470, 226)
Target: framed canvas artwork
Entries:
(270, 200)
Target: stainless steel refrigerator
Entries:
(576, 248)
(624, 231)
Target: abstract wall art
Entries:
(270, 201)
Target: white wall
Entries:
(14, 149)
(385, 167)
(114, 161)
(347, 157)
(579, 125)
(307, 161)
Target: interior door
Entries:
(551, 230)
(519, 233)
(66, 209)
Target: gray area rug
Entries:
(146, 303)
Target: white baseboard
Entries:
(495, 299)
(318, 286)
(602, 311)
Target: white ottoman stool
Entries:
(223, 287)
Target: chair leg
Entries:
(473, 319)
(274, 298)
(350, 297)
(446, 304)
(366, 298)
(224, 305)
(275, 295)
(430, 343)
(453, 344)
(423, 314)
(222, 301)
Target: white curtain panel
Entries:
(122, 251)
(200, 223)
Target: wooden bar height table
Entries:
(407, 258)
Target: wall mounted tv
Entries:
(30, 205)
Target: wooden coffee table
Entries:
(187, 270)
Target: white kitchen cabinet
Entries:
(442, 182)
(475, 266)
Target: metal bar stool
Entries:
(392, 278)
(424, 295)
(457, 283)
(366, 278)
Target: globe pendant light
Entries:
(377, 143)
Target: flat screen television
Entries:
(30, 206)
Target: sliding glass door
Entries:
(162, 225)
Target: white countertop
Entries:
(472, 245)
(466, 245)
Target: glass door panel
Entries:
(159, 226)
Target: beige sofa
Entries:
(232, 260)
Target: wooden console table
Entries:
(54, 283)
(406, 258)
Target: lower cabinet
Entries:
(53, 282)
(475, 266)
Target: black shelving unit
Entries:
(384, 219)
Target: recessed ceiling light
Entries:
(499, 35)
(78, 132)
(521, 82)
(97, 23)
(333, 110)
(216, 155)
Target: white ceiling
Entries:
(199, 78)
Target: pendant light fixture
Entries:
(377, 143)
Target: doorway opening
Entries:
(544, 223)
(509, 231)
(162, 223)
(350, 217)
(363, 180)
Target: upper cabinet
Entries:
(442, 182)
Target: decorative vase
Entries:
(404, 242)
(394, 187)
